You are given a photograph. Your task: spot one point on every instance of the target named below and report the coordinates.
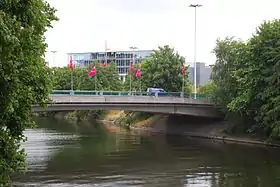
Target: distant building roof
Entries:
(117, 51)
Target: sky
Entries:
(84, 25)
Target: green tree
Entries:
(231, 55)
(106, 78)
(227, 54)
(208, 88)
(247, 77)
(161, 70)
(24, 77)
(260, 96)
(189, 87)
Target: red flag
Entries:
(183, 70)
(131, 66)
(71, 65)
(105, 64)
(138, 73)
(92, 72)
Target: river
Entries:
(62, 154)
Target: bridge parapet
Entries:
(127, 97)
(57, 98)
(125, 93)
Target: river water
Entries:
(86, 154)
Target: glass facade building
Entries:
(121, 58)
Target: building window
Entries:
(122, 70)
(118, 63)
(126, 70)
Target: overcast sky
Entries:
(84, 25)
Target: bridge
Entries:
(168, 103)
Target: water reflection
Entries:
(69, 154)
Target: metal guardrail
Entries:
(122, 93)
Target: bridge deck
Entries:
(167, 105)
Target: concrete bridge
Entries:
(167, 105)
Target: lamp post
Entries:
(195, 6)
(53, 52)
(133, 59)
(106, 49)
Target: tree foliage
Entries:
(106, 78)
(207, 88)
(189, 87)
(24, 77)
(247, 75)
(161, 70)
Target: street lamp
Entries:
(195, 6)
(133, 59)
(106, 49)
(133, 49)
(53, 52)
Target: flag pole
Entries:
(105, 52)
(183, 78)
(93, 73)
(95, 83)
(72, 81)
(130, 77)
(71, 65)
(183, 84)
(130, 84)
(141, 85)
(131, 68)
(133, 61)
(95, 80)
(140, 80)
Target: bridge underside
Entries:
(192, 110)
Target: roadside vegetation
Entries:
(24, 76)
(246, 82)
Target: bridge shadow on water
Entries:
(181, 124)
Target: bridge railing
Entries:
(125, 93)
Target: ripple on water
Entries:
(42, 144)
(85, 180)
